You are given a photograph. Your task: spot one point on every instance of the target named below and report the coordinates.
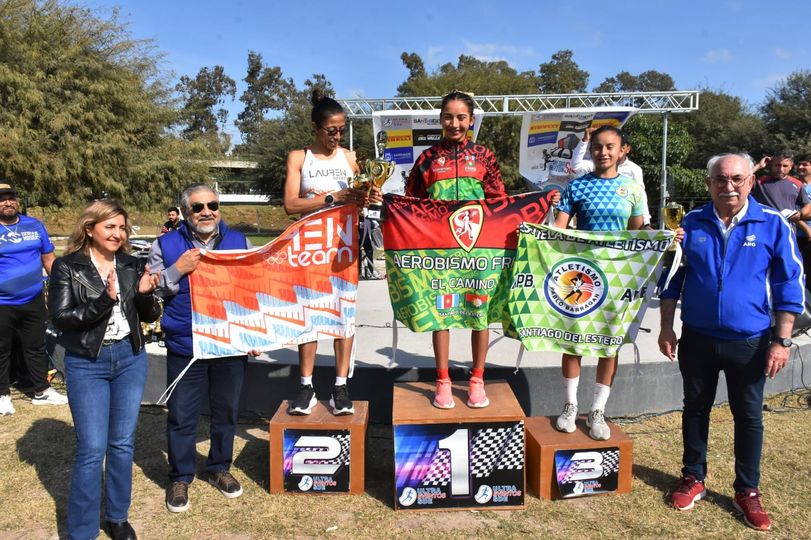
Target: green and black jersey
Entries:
(462, 172)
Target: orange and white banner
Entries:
(300, 287)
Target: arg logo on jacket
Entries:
(466, 225)
(575, 287)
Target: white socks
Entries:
(601, 393)
(340, 381)
(307, 381)
(570, 385)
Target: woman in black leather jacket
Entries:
(98, 297)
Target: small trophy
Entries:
(673, 214)
(377, 171)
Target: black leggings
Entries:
(28, 322)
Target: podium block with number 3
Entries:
(460, 458)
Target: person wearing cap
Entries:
(25, 250)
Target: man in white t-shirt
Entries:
(625, 167)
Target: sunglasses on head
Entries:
(198, 206)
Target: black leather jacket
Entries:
(80, 307)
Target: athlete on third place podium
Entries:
(602, 201)
(318, 177)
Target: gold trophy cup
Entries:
(377, 171)
(673, 213)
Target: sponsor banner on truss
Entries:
(548, 140)
(407, 134)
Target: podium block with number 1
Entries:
(460, 458)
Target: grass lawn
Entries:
(36, 448)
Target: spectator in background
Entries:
(804, 227)
(173, 215)
(781, 191)
(25, 250)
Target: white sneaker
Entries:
(49, 396)
(6, 407)
(599, 430)
(566, 420)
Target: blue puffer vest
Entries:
(176, 321)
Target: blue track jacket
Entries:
(725, 286)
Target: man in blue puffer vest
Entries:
(742, 266)
(175, 255)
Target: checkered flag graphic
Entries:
(610, 464)
(499, 448)
(342, 459)
(439, 472)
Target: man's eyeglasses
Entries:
(198, 206)
(722, 181)
(333, 131)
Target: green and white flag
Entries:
(583, 292)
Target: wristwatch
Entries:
(784, 341)
(329, 199)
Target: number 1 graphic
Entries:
(459, 447)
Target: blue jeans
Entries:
(701, 359)
(221, 379)
(105, 398)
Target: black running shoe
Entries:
(340, 402)
(304, 402)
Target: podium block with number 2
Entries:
(318, 453)
(460, 458)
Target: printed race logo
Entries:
(575, 287)
(466, 225)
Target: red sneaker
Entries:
(477, 399)
(443, 398)
(689, 490)
(748, 502)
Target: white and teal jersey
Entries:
(602, 204)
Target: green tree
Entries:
(787, 113)
(267, 91)
(84, 110)
(647, 81)
(722, 123)
(200, 96)
(562, 75)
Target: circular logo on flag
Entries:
(575, 287)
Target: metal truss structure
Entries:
(663, 103)
(646, 102)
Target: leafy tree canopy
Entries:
(562, 75)
(647, 81)
(84, 110)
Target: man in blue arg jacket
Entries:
(742, 266)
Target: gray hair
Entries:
(189, 190)
(718, 157)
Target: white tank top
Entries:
(324, 175)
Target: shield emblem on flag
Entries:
(466, 225)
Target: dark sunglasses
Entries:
(198, 206)
(333, 131)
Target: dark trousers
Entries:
(221, 379)
(701, 359)
(28, 322)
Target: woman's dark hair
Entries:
(608, 129)
(323, 107)
(456, 95)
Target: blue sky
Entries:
(738, 46)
